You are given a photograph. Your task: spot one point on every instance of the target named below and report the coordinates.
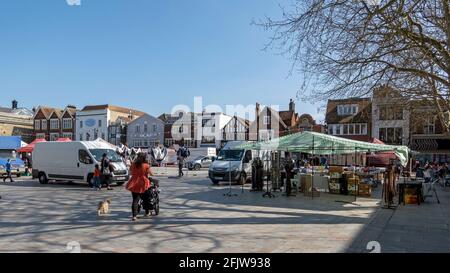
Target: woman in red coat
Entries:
(139, 182)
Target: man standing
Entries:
(182, 154)
(8, 171)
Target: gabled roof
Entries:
(47, 111)
(144, 116)
(287, 117)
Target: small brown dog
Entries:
(104, 207)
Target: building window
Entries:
(103, 136)
(347, 129)
(67, 135)
(266, 120)
(67, 123)
(44, 124)
(81, 137)
(40, 136)
(391, 135)
(54, 124)
(155, 128)
(429, 128)
(54, 136)
(390, 113)
(95, 135)
(99, 123)
(348, 109)
(37, 125)
(81, 124)
(145, 128)
(338, 129)
(138, 128)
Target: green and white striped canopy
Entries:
(322, 144)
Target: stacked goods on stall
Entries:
(364, 190)
(307, 186)
(335, 179)
(411, 196)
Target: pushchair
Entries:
(150, 199)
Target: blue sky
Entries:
(145, 54)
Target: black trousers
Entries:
(180, 170)
(8, 175)
(106, 180)
(135, 206)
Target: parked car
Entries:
(75, 161)
(200, 162)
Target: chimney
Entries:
(292, 105)
(14, 104)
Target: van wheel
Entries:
(43, 178)
(197, 167)
(89, 180)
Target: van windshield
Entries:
(112, 155)
(8, 154)
(230, 155)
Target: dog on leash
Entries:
(104, 207)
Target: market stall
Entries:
(352, 180)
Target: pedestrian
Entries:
(8, 168)
(182, 154)
(97, 184)
(139, 183)
(106, 171)
(289, 167)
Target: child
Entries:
(96, 184)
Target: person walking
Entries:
(106, 171)
(182, 154)
(139, 183)
(8, 168)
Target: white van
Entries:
(75, 161)
(235, 161)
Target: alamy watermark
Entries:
(73, 2)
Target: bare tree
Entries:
(347, 48)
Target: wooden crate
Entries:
(364, 190)
(335, 169)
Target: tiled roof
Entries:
(364, 114)
(113, 108)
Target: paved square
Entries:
(196, 217)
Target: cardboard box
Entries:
(335, 169)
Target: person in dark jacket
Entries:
(106, 171)
(8, 168)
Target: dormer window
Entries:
(347, 109)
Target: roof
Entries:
(18, 111)
(10, 142)
(47, 111)
(144, 116)
(113, 108)
(246, 122)
(364, 114)
(287, 117)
